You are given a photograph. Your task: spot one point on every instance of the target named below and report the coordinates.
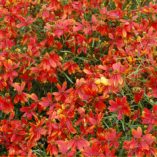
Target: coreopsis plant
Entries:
(120, 106)
(140, 145)
(78, 78)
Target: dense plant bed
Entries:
(78, 78)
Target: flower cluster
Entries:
(78, 78)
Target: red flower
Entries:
(50, 60)
(79, 143)
(52, 149)
(120, 106)
(6, 105)
(138, 96)
(24, 21)
(10, 70)
(62, 92)
(150, 117)
(29, 111)
(100, 106)
(71, 66)
(109, 136)
(36, 131)
(86, 89)
(94, 150)
(140, 145)
(20, 96)
(46, 101)
(63, 146)
(152, 84)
